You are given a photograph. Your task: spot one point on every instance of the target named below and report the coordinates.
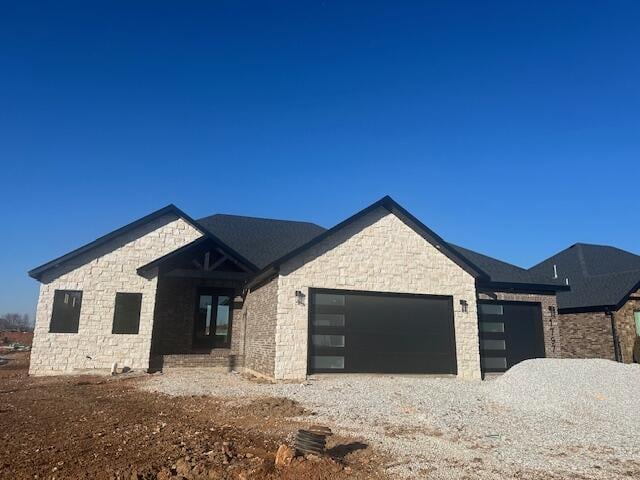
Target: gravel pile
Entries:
(543, 419)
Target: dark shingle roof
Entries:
(260, 240)
(503, 272)
(599, 275)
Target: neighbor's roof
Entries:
(260, 240)
(600, 276)
(500, 272)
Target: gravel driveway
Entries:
(545, 418)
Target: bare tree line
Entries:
(16, 322)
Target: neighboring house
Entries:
(600, 315)
(379, 292)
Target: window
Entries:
(492, 327)
(494, 362)
(489, 344)
(213, 319)
(328, 362)
(328, 320)
(329, 299)
(636, 315)
(491, 309)
(328, 340)
(126, 318)
(66, 311)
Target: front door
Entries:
(213, 318)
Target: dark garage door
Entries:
(365, 332)
(510, 332)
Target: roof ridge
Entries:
(489, 256)
(582, 261)
(259, 218)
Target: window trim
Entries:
(53, 310)
(115, 311)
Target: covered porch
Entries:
(198, 314)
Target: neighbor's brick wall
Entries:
(626, 326)
(101, 273)
(375, 253)
(586, 335)
(550, 319)
(260, 338)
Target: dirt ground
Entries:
(105, 428)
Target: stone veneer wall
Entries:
(626, 326)
(550, 317)
(100, 273)
(259, 333)
(378, 252)
(586, 335)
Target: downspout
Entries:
(616, 340)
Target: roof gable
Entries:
(57, 262)
(396, 209)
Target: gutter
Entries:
(617, 351)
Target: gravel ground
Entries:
(544, 418)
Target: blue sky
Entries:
(511, 128)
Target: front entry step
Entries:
(216, 359)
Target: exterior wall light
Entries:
(299, 297)
(465, 306)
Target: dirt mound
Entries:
(106, 428)
(279, 406)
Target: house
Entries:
(379, 292)
(600, 315)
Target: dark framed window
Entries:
(126, 317)
(65, 316)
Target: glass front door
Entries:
(213, 319)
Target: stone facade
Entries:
(100, 273)
(550, 317)
(378, 252)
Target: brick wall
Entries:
(586, 335)
(100, 273)
(175, 314)
(550, 318)
(626, 326)
(260, 334)
(375, 253)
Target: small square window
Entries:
(126, 318)
(65, 316)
